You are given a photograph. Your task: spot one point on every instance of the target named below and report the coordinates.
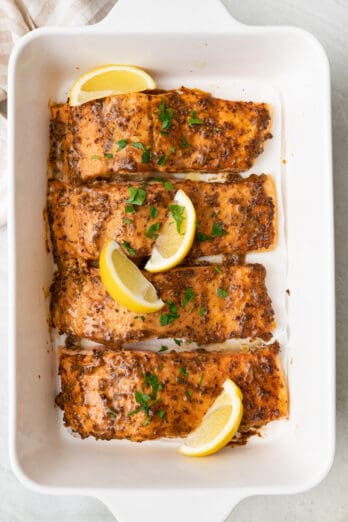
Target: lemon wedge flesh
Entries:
(219, 425)
(176, 235)
(107, 80)
(124, 281)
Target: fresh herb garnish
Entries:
(138, 145)
(129, 249)
(165, 115)
(121, 144)
(201, 312)
(201, 380)
(222, 293)
(194, 120)
(128, 221)
(152, 231)
(146, 400)
(217, 230)
(137, 196)
(111, 413)
(171, 316)
(95, 156)
(188, 393)
(163, 348)
(217, 269)
(177, 212)
(153, 212)
(183, 371)
(108, 155)
(161, 414)
(168, 186)
(178, 342)
(130, 209)
(213, 215)
(162, 160)
(172, 150)
(184, 142)
(188, 296)
(142, 317)
(146, 155)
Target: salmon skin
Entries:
(99, 390)
(233, 217)
(182, 130)
(202, 305)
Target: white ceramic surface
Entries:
(294, 64)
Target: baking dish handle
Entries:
(202, 505)
(163, 16)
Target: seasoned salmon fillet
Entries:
(201, 304)
(173, 131)
(101, 391)
(233, 217)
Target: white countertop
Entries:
(328, 21)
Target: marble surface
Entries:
(328, 502)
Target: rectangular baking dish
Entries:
(197, 44)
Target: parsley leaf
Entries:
(95, 156)
(184, 142)
(128, 221)
(194, 120)
(130, 209)
(188, 296)
(222, 293)
(165, 115)
(168, 186)
(217, 269)
(183, 371)
(129, 249)
(111, 413)
(201, 236)
(108, 155)
(146, 155)
(201, 380)
(152, 231)
(172, 150)
(153, 212)
(201, 312)
(121, 144)
(161, 414)
(138, 145)
(137, 196)
(217, 230)
(162, 160)
(177, 212)
(171, 316)
(188, 393)
(178, 342)
(163, 349)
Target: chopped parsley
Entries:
(138, 145)
(178, 342)
(152, 231)
(108, 155)
(111, 413)
(217, 230)
(163, 348)
(142, 317)
(95, 156)
(162, 160)
(171, 316)
(184, 142)
(121, 144)
(153, 212)
(165, 115)
(201, 380)
(177, 212)
(194, 120)
(172, 150)
(183, 371)
(222, 293)
(217, 269)
(130, 209)
(137, 196)
(201, 312)
(129, 249)
(168, 186)
(146, 155)
(128, 221)
(188, 393)
(188, 296)
(161, 414)
(146, 400)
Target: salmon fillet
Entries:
(173, 131)
(201, 304)
(99, 388)
(241, 213)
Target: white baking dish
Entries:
(197, 44)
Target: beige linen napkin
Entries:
(17, 17)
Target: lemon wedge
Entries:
(219, 424)
(176, 235)
(124, 281)
(107, 80)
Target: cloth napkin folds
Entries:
(17, 17)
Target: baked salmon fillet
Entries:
(233, 217)
(101, 391)
(172, 131)
(202, 305)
